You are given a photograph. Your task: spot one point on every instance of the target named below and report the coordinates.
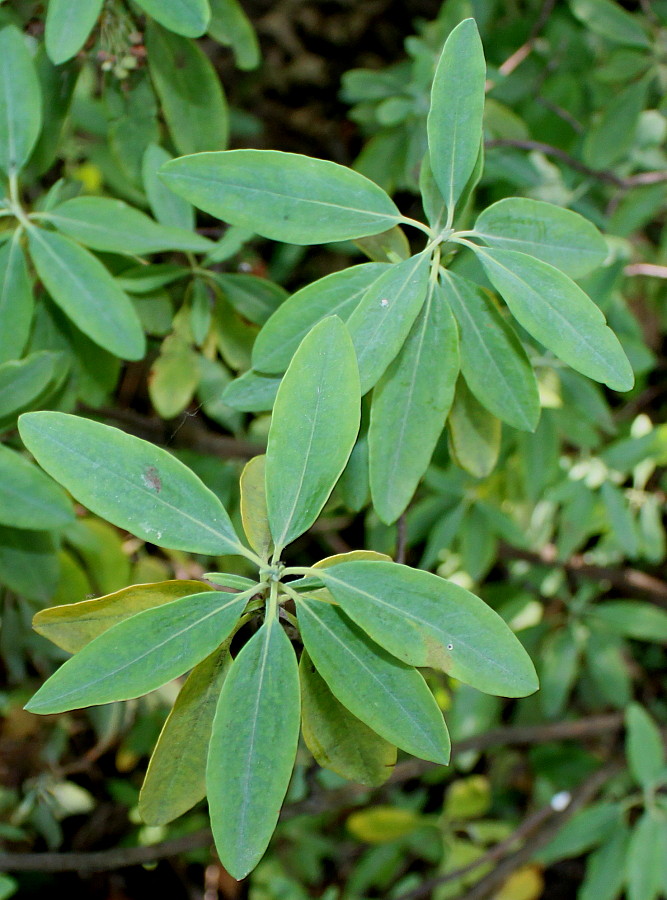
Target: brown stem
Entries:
(633, 581)
(188, 433)
(536, 830)
(553, 824)
(604, 175)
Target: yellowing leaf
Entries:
(381, 824)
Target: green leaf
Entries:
(556, 312)
(457, 108)
(609, 139)
(130, 482)
(383, 692)
(142, 653)
(493, 360)
(230, 26)
(383, 318)
(409, 407)
(20, 101)
(611, 21)
(85, 291)
(112, 226)
(583, 831)
(474, 434)
(192, 98)
(337, 294)
(68, 26)
(607, 665)
(253, 748)
(166, 206)
(559, 659)
(643, 747)
(24, 380)
(187, 17)
(253, 506)
(387, 247)
(557, 236)
(28, 499)
(16, 300)
(28, 563)
(313, 429)
(621, 520)
(176, 775)
(632, 619)
(338, 740)
(283, 196)
(173, 377)
(645, 861)
(252, 392)
(427, 621)
(73, 625)
(252, 297)
(605, 871)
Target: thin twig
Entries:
(188, 434)
(511, 863)
(514, 61)
(604, 175)
(323, 801)
(646, 269)
(634, 581)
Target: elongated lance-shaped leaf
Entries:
(73, 625)
(111, 225)
(558, 313)
(391, 697)
(68, 26)
(474, 434)
(20, 101)
(557, 236)
(253, 506)
(131, 483)
(142, 653)
(338, 740)
(427, 621)
(410, 405)
(644, 748)
(176, 775)
(191, 95)
(383, 319)
(494, 364)
(283, 196)
(83, 288)
(167, 208)
(230, 26)
(457, 106)
(187, 17)
(315, 422)
(16, 300)
(22, 381)
(253, 747)
(337, 294)
(28, 498)
(645, 860)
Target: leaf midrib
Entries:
(114, 672)
(374, 677)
